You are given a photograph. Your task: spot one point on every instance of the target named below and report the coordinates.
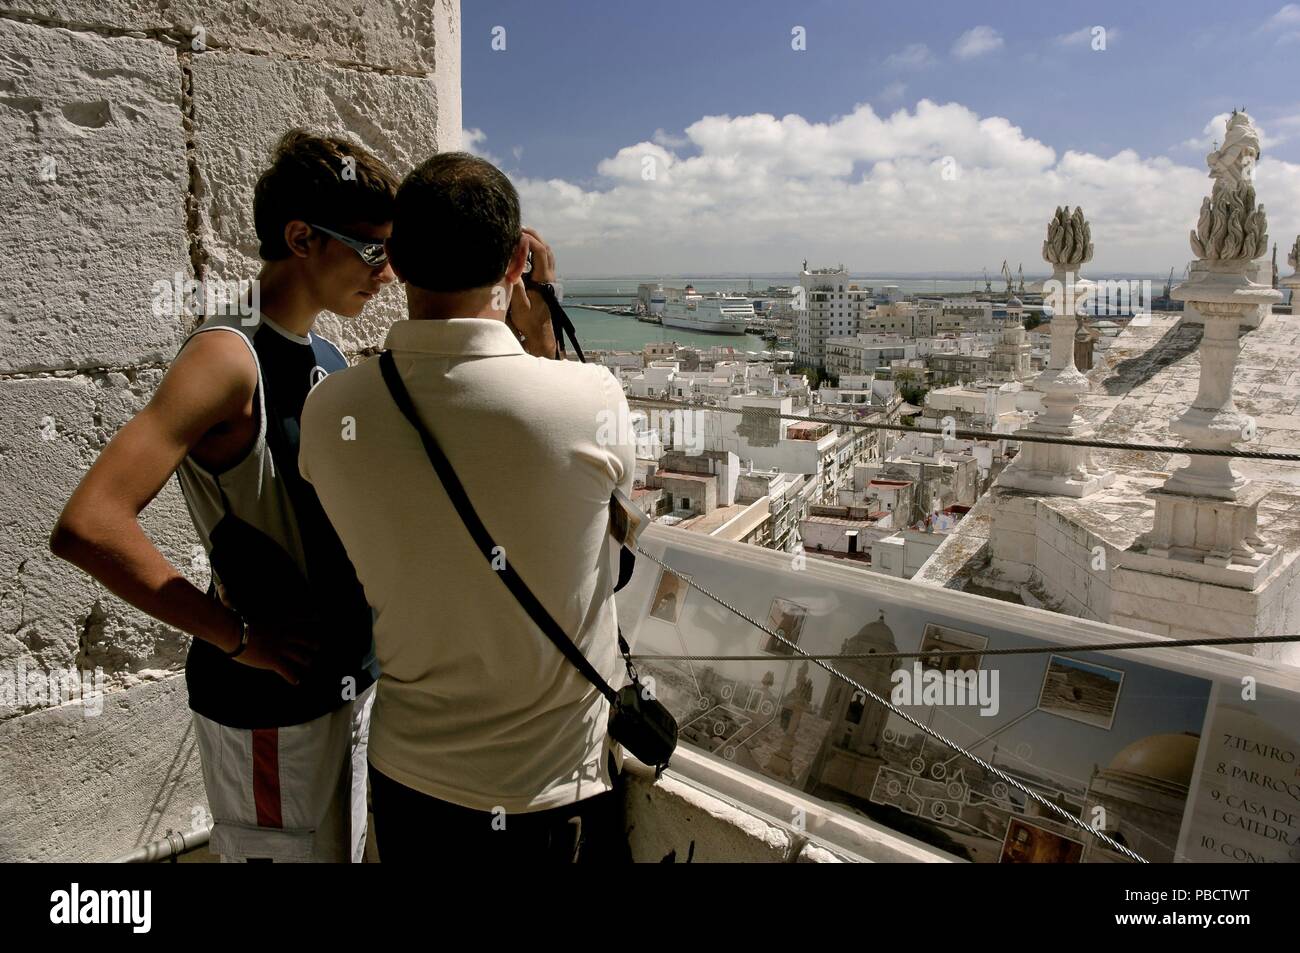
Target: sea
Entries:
(598, 330)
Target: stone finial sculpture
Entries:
(1206, 511)
(1231, 227)
(1293, 256)
(1061, 469)
(1233, 163)
(1069, 240)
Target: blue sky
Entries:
(580, 83)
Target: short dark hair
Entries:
(307, 182)
(456, 223)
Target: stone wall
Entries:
(133, 134)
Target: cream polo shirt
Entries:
(475, 705)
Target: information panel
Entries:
(1177, 754)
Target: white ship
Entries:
(713, 314)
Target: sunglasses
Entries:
(371, 252)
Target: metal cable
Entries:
(1019, 436)
(944, 653)
(998, 772)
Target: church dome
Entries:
(875, 636)
(1014, 304)
(1168, 758)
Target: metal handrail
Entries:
(170, 847)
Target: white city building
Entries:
(832, 305)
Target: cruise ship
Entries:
(714, 314)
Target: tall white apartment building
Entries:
(829, 306)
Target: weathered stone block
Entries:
(92, 195)
(1013, 546)
(1154, 586)
(51, 614)
(1226, 599)
(670, 820)
(421, 36)
(1146, 607)
(79, 788)
(1012, 571)
(1209, 623)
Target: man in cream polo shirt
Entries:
(484, 736)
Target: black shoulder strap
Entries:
(561, 323)
(482, 538)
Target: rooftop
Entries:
(679, 475)
(1147, 375)
(712, 520)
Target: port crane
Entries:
(1006, 273)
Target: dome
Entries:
(1167, 758)
(872, 636)
(1015, 303)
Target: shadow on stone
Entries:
(1178, 342)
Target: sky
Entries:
(919, 138)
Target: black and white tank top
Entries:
(284, 528)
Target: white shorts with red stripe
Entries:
(295, 794)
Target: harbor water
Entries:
(600, 330)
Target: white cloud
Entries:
(759, 193)
(1288, 15)
(471, 141)
(977, 41)
(912, 56)
(894, 91)
(669, 141)
(1286, 122)
(1285, 24)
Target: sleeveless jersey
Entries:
(265, 491)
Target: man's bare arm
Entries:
(209, 383)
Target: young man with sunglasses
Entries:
(281, 665)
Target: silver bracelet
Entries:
(243, 639)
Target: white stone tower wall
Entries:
(132, 134)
